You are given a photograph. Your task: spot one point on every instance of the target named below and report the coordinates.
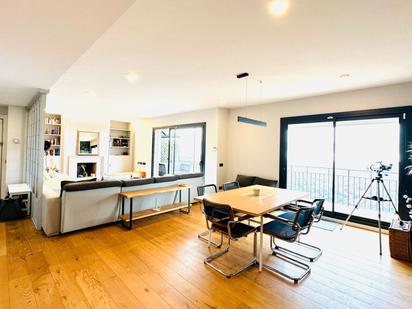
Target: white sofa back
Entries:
(85, 205)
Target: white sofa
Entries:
(87, 204)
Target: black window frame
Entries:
(180, 126)
(405, 182)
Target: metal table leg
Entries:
(188, 200)
(131, 214)
(122, 205)
(261, 244)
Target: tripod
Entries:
(379, 182)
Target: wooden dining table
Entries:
(243, 200)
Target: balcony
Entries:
(349, 186)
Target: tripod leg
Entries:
(357, 205)
(390, 199)
(379, 218)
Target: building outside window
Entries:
(178, 149)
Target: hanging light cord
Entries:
(246, 79)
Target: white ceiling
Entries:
(39, 40)
(188, 52)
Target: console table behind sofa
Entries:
(150, 212)
(87, 204)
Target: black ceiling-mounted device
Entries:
(242, 75)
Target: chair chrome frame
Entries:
(317, 251)
(287, 258)
(206, 235)
(207, 260)
(279, 251)
(223, 251)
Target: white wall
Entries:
(222, 140)
(254, 150)
(212, 118)
(16, 129)
(70, 126)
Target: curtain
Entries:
(33, 172)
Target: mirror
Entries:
(87, 143)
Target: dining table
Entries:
(256, 201)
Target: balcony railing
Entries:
(350, 184)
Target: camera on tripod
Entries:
(379, 167)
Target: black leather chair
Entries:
(202, 190)
(220, 218)
(288, 230)
(162, 169)
(317, 215)
(231, 186)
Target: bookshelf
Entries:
(120, 138)
(120, 147)
(52, 133)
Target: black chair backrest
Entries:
(201, 190)
(162, 169)
(304, 216)
(231, 186)
(215, 212)
(318, 211)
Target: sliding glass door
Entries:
(360, 143)
(178, 150)
(310, 159)
(329, 156)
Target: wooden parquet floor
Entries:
(159, 264)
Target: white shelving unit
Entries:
(120, 147)
(53, 133)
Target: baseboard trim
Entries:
(357, 225)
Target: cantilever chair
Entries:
(317, 215)
(288, 230)
(201, 190)
(220, 218)
(231, 186)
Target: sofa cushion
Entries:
(91, 185)
(137, 182)
(265, 182)
(165, 179)
(65, 182)
(191, 175)
(245, 181)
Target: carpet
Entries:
(326, 225)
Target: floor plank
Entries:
(159, 264)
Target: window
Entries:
(178, 150)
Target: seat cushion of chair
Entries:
(237, 230)
(290, 215)
(279, 230)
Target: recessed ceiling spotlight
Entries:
(132, 77)
(345, 75)
(278, 7)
